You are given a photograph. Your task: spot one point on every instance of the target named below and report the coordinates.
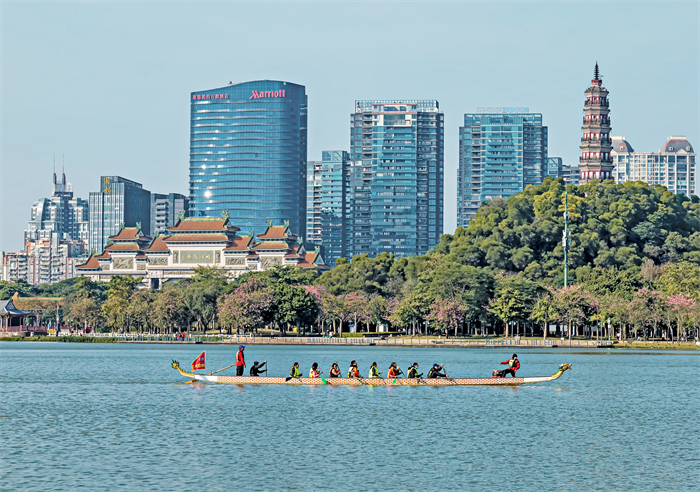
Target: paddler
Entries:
(335, 371)
(240, 360)
(394, 371)
(314, 372)
(513, 365)
(413, 372)
(374, 372)
(257, 368)
(295, 372)
(435, 373)
(353, 372)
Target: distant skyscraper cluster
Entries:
(384, 194)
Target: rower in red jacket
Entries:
(513, 365)
(240, 361)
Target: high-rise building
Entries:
(570, 174)
(248, 153)
(358, 207)
(120, 202)
(673, 166)
(46, 260)
(595, 161)
(325, 204)
(554, 167)
(61, 214)
(166, 210)
(401, 143)
(501, 151)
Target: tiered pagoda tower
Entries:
(595, 161)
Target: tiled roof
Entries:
(253, 255)
(158, 245)
(177, 238)
(202, 224)
(129, 233)
(104, 255)
(91, 263)
(274, 232)
(141, 255)
(271, 246)
(8, 307)
(126, 233)
(238, 244)
(123, 247)
(308, 260)
(34, 303)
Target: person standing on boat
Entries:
(256, 369)
(435, 373)
(314, 372)
(394, 371)
(335, 371)
(295, 372)
(353, 372)
(374, 372)
(413, 372)
(513, 365)
(240, 360)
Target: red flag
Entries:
(199, 361)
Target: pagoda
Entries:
(595, 161)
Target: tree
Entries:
(448, 313)
(85, 311)
(121, 287)
(139, 310)
(169, 309)
(410, 311)
(682, 307)
(248, 307)
(356, 304)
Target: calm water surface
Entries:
(117, 417)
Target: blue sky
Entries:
(107, 84)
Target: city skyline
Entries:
(125, 110)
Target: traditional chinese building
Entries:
(596, 145)
(193, 242)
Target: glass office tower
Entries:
(501, 151)
(119, 201)
(325, 204)
(248, 154)
(402, 142)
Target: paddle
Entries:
(211, 373)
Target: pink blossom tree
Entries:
(682, 307)
(448, 313)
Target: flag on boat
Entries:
(199, 361)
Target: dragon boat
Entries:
(492, 381)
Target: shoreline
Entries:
(417, 342)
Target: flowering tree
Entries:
(335, 310)
(247, 307)
(646, 309)
(682, 307)
(356, 303)
(573, 306)
(448, 313)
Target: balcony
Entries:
(589, 104)
(590, 140)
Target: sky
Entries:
(107, 84)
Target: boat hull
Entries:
(241, 380)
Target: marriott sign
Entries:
(259, 94)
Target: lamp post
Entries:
(565, 242)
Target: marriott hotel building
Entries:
(248, 154)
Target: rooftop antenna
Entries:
(54, 168)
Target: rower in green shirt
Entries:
(374, 372)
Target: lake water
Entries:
(117, 417)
